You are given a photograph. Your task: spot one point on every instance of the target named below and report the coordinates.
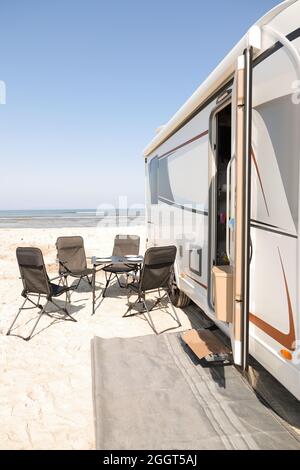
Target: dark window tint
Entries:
(153, 170)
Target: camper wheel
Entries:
(179, 298)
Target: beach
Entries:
(45, 392)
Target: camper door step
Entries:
(205, 345)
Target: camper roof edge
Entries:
(216, 79)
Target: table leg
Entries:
(94, 288)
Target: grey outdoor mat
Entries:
(150, 392)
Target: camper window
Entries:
(153, 174)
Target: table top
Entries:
(130, 259)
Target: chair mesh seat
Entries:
(84, 272)
(56, 290)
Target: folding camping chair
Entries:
(157, 273)
(36, 283)
(124, 245)
(72, 259)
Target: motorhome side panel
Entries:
(177, 203)
(274, 284)
(183, 170)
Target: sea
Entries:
(59, 218)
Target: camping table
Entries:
(108, 261)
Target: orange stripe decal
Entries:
(260, 180)
(287, 340)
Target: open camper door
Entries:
(238, 206)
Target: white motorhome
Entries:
(223, 186)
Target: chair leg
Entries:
(44, 311)
(94, 290)
(63, 310)
(66, 300)
(148, 316)
(65, 283)
(147, 311)
(78, 283)
(36, 305)
(131, 306)
(173, 308)
(16, 317)
(107, 284)
(118, 280)
(159, 300)
(36, 323)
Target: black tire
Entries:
(179, 298)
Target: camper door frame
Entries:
(212, 186)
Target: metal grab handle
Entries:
(251, 250)
(228, 206)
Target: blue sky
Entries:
(89, 81)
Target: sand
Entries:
(45, 391)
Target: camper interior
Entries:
(222, 147)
